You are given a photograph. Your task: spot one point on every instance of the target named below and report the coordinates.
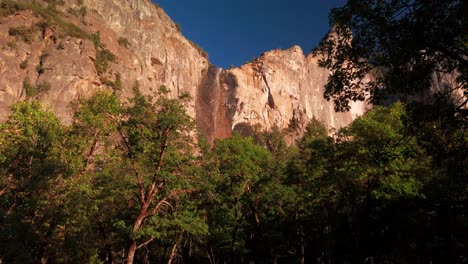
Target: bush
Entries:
(30, 89)
(40, 69)
(43, 25)
(82, 11)
(115, 85)
(72, 12)
(56, 2)
(24, 33)
(8, 7)
(50, 14)
(96, 39)
(24, 64)
(43, 87)
(103, 57)
(123, 42)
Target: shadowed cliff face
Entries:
(282, 88)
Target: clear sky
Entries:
(235, 32)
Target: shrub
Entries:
(82, 11)
(8, 7)
(103, 57)
(24, 64)
(43, 56)
(30, 89)
(40, 69)
(123, 42)
(56, 3)
(43, 87)
(96, 39)
(72, 12)
(50, 14)
(24, 33)
(74, 31)
(115, 85)
(43, 25)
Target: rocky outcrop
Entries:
(148, 47)
(282, 88)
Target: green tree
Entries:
(442, 133)
(73, 194)
(158, 144)
(30, 179)
(247, 198)
(351, 189)
(382, 168)
(308, 172)
(385, 158)
(95, 196)
(400, 44)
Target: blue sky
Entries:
(235, 32)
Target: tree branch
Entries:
(145, 243)
(153, 190)
(89, 155)
(138, 177)
(164, 200)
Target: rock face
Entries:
(282, 88)
(155, 54)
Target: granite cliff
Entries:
(59, 51)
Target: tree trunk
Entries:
(211, 257)
(136, 226)
(302, 249)
(173, 252)
(145, 203)
(131, 252)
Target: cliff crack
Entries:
(40, 67)
(271, 101)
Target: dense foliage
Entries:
(127, 184)
(407, 46)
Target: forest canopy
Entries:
(128, 184)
